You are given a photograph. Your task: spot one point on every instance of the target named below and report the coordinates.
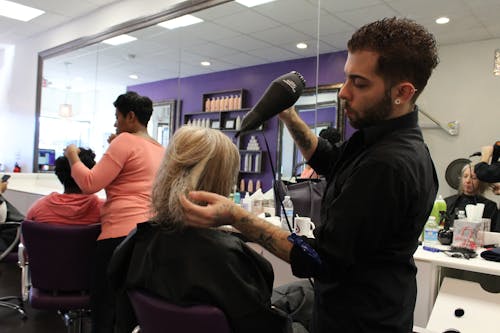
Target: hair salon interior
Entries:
(61, 71)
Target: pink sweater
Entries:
(126, 171)
(66, 209)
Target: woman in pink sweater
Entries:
(126, 172)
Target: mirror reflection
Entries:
(232, 49)
(320, 109)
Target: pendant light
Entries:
(66, 109)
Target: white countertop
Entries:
(38, 183)
(477, 264)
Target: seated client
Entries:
(187, 265)
(72, 206)
(470, 191)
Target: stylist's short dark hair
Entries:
(407, 51)
(63, 169)
(142, 106)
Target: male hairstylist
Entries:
(381, 187)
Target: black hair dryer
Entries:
(282, 93)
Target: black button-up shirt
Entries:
(381, 188)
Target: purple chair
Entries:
(9, 255)
(59, 263)
(156, 315)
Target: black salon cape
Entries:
(196, 266)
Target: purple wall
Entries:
(254, 80)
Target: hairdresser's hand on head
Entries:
(218, 211)
(486, 153)
(71, 152)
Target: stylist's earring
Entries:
(397, 101)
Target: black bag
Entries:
(306, 196)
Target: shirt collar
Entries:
(373, 133)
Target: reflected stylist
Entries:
(381, 188)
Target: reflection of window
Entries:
(318, 109)
(160, 125)
(56, 133)
(323, 100)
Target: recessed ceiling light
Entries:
(121, 39)
(205, 63)
(18, 12)
(442, 20)
(133, 76)
(182, 21)
(253, 3)
(302, 46)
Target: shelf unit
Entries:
(226, 121)
(225, 100)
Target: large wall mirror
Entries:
(232, 48)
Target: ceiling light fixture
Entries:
(121, 39)
(18, 12)
(205, 63)
(182, 21)
(253, 3)
(133, 76)
(496, 63)
(301, 46)
(442, 20)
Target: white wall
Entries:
(18, 77)
(462, 88)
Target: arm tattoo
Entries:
(267, 242)
(264, 239)
(300, 138)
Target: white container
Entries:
(246, 203)
(287, 210)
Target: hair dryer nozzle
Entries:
(281, 94)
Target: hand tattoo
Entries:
(224, 214)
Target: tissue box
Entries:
(469, 235)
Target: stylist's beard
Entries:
(371, 115)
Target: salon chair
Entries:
(9, 255)
(59, 260)
(157, 315)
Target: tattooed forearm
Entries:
(267, 242)
(301, 138)
(270, 237)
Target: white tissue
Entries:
(474, 212)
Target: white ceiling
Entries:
(234, 36)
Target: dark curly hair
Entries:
(63, 169)
(407, 50)
(132, 101)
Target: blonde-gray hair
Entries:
(197, 158)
